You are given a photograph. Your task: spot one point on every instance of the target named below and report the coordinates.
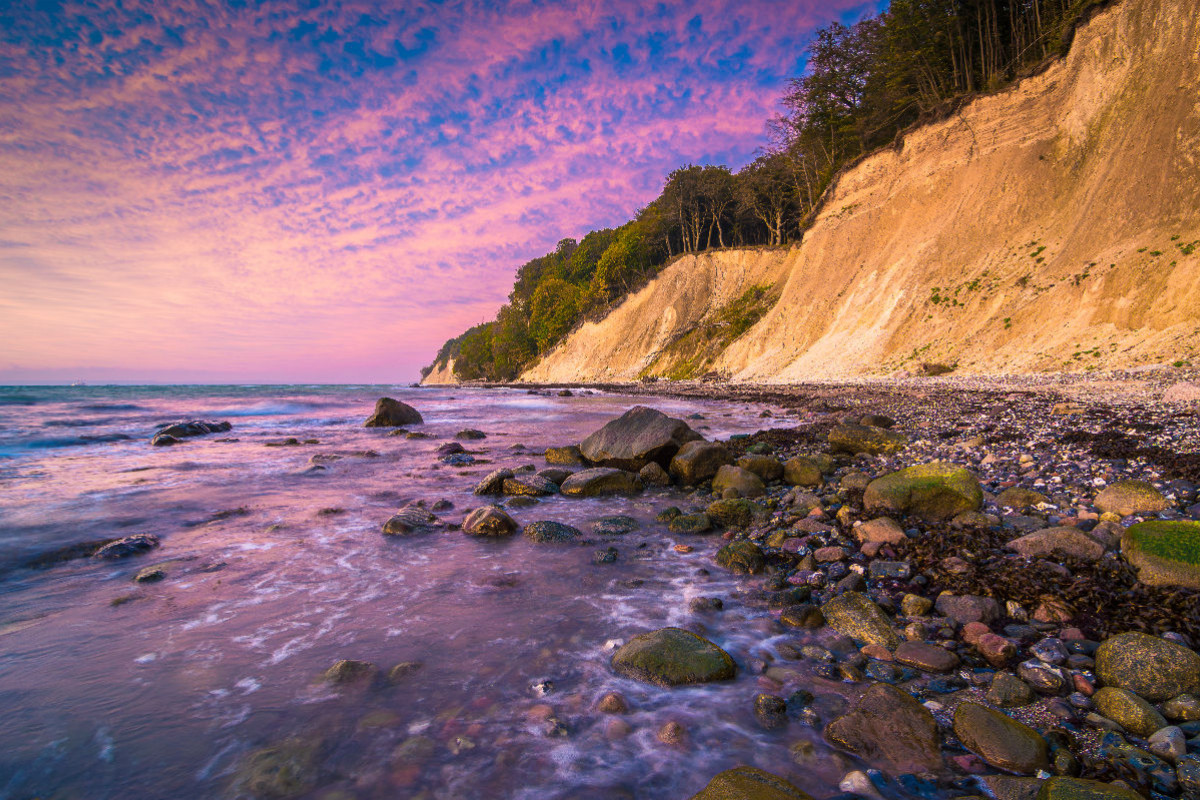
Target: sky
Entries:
(325, 192)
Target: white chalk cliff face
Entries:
(1054, 226)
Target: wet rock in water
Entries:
(929, 657)
(450, 448)
(637, 437)
(569, 455)
(601, 481)
(744, 558)
(350, 671)
(402, 670)
(529, 486)
(1050, 541)
(555, 475)
(863, 439)
(654, 475)
(936, 491)
(470, 434)
(408, 521)
(458, 460)
(127, 546)
(802, 471)
(1131, 497)
(672, 657)
(391, 413)
(606, 555)
(489, 521)
(749, 783)
(286, 769)
(767, 468)
(612, 703)
(770, 710)
(177, 431)
(1129, 711)
(888, 728)
(802, 615)
(1065, 788)
(493, 482)
(1009, 691)
(150, 574)
(548, 531)
(732, 513)
(614, 526)
(853, 614)
(1164, 553)
(746, 483)
(1148, 666)
(698, 460)
(672, 732)
(690, 523)
(522, 501)
(700, 605)
(1000, 740)
(968, 608)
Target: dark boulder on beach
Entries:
(637, 437)
(391, 413)
(178, 431)
(128, 546)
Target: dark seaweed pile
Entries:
(1105, 595)
(1112, 444)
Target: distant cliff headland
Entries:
(983, 189)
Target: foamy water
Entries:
(162, 693)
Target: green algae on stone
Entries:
(936, 491)
(735, 513)
(749, 783)
(855, 439)
(742, 557)
(854, 614)
(690, 523)
(1164, 553)
(1063, 788)
(286, 769)
(1148, 666)
(672, 657)
(1129, 711)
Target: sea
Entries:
(209, 682)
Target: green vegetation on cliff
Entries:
(862, 86)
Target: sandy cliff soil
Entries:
(1054, 226)
(442, 374)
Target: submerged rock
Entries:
(489, 521)
(127, 546)
(529, 486)
(286, 769)
(888, 727)
(637, 437)
(177, 431)
(937, 491)
(749, 783)
(408, 521)
(493, 482)
(547, 531)
(1164, 553)
(391, 413)
(614, 526)
(601, 481)
(672, 657)
(350, 671)
(736, 513)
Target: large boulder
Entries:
(768, 468)
(1164, 553)
(889, 728)
(601, 481)
(749, 783)
(671, 657)
(1148, 666)
(1131, 497)
(489, 521)
(391, 413)
(856, 439)
(853, 614)
(935, 491)
(697, 461)
(743, 481)
(637, 437)
(1000, 740)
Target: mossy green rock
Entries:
(854, 614)
(1131, 497)
(1148, 666)
(1129, 711)
(1080, 789)
(745, 558)
(549, 531)
(690, 523)
(1000, 740)
(802, 471)
(1164, 553)
(749, 783)
(744, 481)
(889, 728)
(736, 513)
(286, 769)
(936, 491)
(698, 461)
(856, 439)
(765, 467)
(672, 657)
(1020, 499)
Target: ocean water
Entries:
(111, 688)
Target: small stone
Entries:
(1009, 691)
(855, 615)
(805, 616)
(770, 710)
(672, 733)
(745, 482)
(1129, 711)
(1168, 743)
(890, 728)
(614, 526)
(928, 657)
(1043, 677)
(968, 608)
(690, 523)
(801, 471)
(914, 605)
(350, 671)
(654, 475)
(1051, 650)
(742, 557)
(549, 531)
(612, 703)
(1182, 708)
(1150, 667)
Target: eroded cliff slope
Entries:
(1053, 226)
